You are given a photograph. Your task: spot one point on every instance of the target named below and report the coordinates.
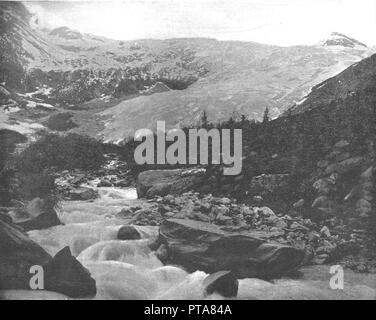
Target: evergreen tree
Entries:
(204, 120)
(266, 118)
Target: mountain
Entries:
(337, 39)
(358, 79)
(115, 87)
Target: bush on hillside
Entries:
(61, 122)
(52, 151)
(35, 185)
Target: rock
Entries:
(169, 214)
(246, 211)
(128, 233)
(281, 224)
(299, 204)
(4, 93)
(37, 215)
(350, 164)
(343, 156)
(320, 259)
(322, 186)
(320, 202)
(200, 216)
(16, 203)
(265, 211)
(323, 163)
(268, 183)
(325, 231)
(257, 199)
(344, 166)
(83, 193)
(80, 178)
(221, 210)
(205, 206)
(65, 274)
(222, 282)
(354, 193)
(160, 189)
(18, 253)
(104, 183)
(332, 168)
(6, 218)
(341, 144)
(171, 181)
(367, 175)
(45, 220)
(224, 201)
(202, 246)
(123, 183)
(125, 212)
(222, 219)
(162, 253)
(363, 207)
(35, 207)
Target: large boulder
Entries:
(65, 274)
(4, 95)
(18, 253)
(83, 193)
(37, 215)
(128, 233)
(162, 182)
(222, 282)
(203, 246)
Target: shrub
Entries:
(61, 122)
(35, 185)
(52, 151)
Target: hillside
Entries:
(359, 78)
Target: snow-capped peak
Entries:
(337, 39)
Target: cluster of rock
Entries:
(18, 254)
(81, 185)
(163, 182)
(203, 246)
(36, 214)
(322, 243)
(352, 174)
(142, 216)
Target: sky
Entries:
(279, 22)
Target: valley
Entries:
(75, 201)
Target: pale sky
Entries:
(279, 22)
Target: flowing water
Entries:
(129, 270)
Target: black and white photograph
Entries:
(205, 150)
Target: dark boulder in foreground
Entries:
(65, 274)
(43, 221)
(18, 253)
(222, 282)
(38, 215)
(162, 182)
(202, 246)
(128, 233)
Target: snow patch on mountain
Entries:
(337, 39)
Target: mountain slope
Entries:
(244, 77)
(358, 79)
(66, 68)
